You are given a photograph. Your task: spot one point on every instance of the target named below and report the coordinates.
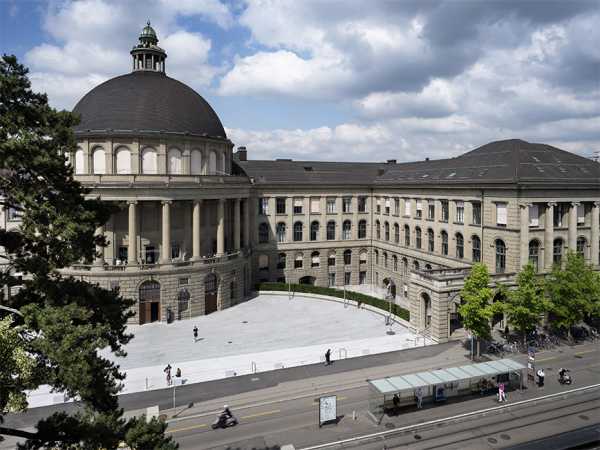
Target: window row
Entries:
(315, 259)
(394, 262)
(314, 230)
(148, 163)
(314, 204)
(459, 205)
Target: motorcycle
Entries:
(564, 377)
(224, 421)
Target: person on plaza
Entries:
(501, 393)
(226, 412)
(396, 401)
(419, 395)
(178, 373)
(167, 370)
(328, 357)
(195, 333)
(541, 375)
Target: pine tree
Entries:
(60, 322)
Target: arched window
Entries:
(212, 163)
(331, 258)
(427, 266)
(280, 230)
(123, 161)
(581, 246)
(395, 263)
(149, 161)
(347, 257)
(315, 259)
(396, 233)
(175, 166)
(99, 161)
(534, 253)
(298, 261)
(418, 239)
(362, 229)
(281, 261)
(405, 266)
(263, 233)
(430, 240)
(476, 248)
(330, 230)
(378, 229)
(444, 243)
(500, 256)
(347, 230)
(376, 254)
(385, 259)
(196, 162)
(314, 231)
(557, 251)
(362, 257)
(416, 264)
(407, 235)
(387, 231)
(79, 159)
(298, 231)
(263, 262)
(460, 246)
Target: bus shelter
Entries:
(441, 384)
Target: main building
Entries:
(200, 224)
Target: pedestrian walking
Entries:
(501, 393)
(195, 333)
(328, 357)
(419, 395)
(167, 371)
(541, 375)
(396, 401)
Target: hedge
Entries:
(350, 295)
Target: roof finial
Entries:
(148, 22)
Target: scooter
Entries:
(564, 378)
(224, 421)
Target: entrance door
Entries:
(149, 302)
(210, 293)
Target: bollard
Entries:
(354, 415)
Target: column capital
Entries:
(132, 202)
(525, 205)
(575, 203)
(596, 204)
(166, 202)
(197, 201)
(551, 203)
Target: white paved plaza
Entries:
(265, 333)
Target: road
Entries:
(294, 421)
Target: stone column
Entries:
(573, 226)
(524, 212)
(196, 229)
(221, 227)
(132, 234)
(99, 259)
(595, 235)
(236, 225)
(247, 222)
(165, 255)
(548, 235)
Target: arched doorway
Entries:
(454, 318)
(183, 302)
(307, 280)
(210, 293)
(425, 311)
(149, 293)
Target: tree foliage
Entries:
(573, 292)
(65, 321)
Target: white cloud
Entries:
(212, 10)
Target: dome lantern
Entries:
(147, 55)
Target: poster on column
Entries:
(327, 409)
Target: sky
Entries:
(340, 80)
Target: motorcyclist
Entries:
(226, 414)
(562, 374)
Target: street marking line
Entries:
(265, 413)
(177, 430)
(546, 359)
(587, 351)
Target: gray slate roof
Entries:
(147, 101)
(513, 161)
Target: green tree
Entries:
(573, 293)
(477, 309)
(526, 303)
(61, 322)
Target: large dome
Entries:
(147, 101)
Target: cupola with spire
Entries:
(147, 55)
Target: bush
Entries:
(350, 295)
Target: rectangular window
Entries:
(431, 210)
(123, 254)
(460, 212)
(419, 211)
(362, 204)
(534, 216)
(263, 206)
(315, 205)
(407, 207)
(581, 213)
(476, 213)
(330, 205)
(298, 205)
(184, 281)
(331, 279)
(501, 214)
(387, 206)
(347, 204)
(445, 211)
(347, 276)
(397, 206)
(378, 206)
(280, 207)
(362, 277)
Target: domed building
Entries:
(198, 224)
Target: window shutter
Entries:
(315, 204)
(534, 216)
(580, 213)
(298, 202)
(407, 207)
(419, 205)
(460, 204)
(501, 214)
(387, 202)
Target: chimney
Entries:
(391, 161)
(242, 154)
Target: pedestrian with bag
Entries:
(195, 333)
(167, 371)
(328, 357)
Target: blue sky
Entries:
(335, 80)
